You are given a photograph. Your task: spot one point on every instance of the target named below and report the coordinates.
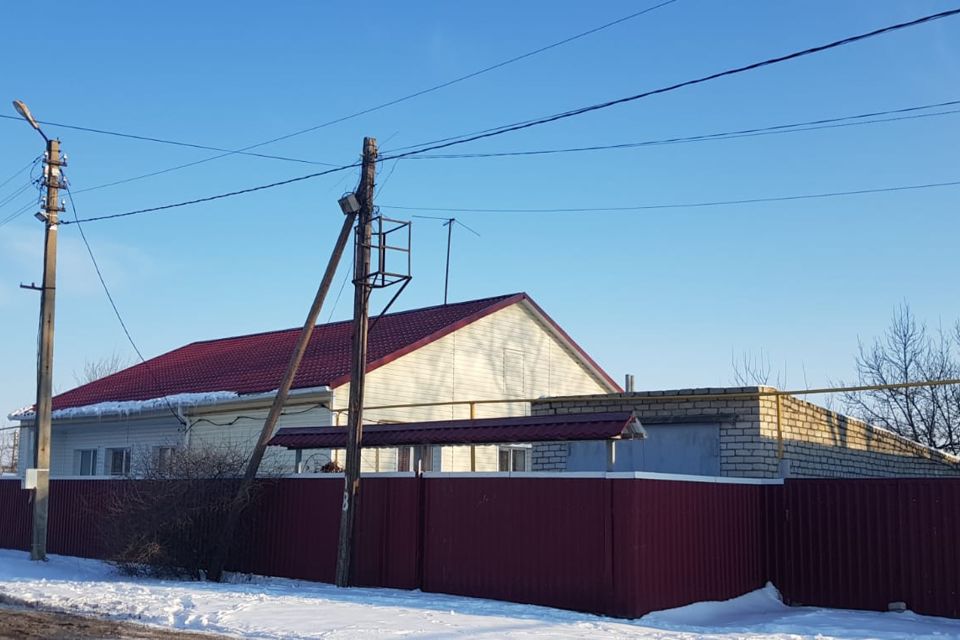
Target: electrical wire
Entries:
(236, 419)
(215, 197)
(168, 142)
(346, 277)
(113, 304)
(560, 116)
(497, 131)
(384, 105)
(19, 171)
(16, 193)
(28, 204)
(686, 205)
(810, 125)
(447, 142)
(19, 212)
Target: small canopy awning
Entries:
(554, 428)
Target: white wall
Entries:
(507, 354)
(139, 434)
(241, 429)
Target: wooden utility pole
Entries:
(361, 304)
(41, 455)
(215, 572)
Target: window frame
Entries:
(109, 460)
(513, 451)
(78, 466)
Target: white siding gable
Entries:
(510, 353)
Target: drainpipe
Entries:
(473, 448)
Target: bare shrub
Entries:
(167, 521)
(105, 366)
(910, 352)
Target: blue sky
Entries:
(665, 294)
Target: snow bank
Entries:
(762, 614)
(274, 608)
(759, 605)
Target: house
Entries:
(217, 393)
(741, 432)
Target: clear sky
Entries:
(665, 294)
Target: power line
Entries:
(357, 114)
(13, 196)
(19, 212)
(113, 304)
(685, 205)
(177, 143)
(214, 197)
(810, 125)
(19, 171)
(489, 133)
(555, 117)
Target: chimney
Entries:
(628, 383)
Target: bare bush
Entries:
(96, 369)
(167, 521)
(755, 371)
(9, 450)
(910, 352)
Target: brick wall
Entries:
(819, 443)
(734, 408)
(549, 456)
(816, 442)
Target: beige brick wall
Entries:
(816, 442)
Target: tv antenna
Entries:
(448, 223)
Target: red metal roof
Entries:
(255, 363)
(582, 426)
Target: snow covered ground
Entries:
(269, 608)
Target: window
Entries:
(515, 458)
(403, 459)
(425, 455)
(419, 458)
(163, 458)
(118, 462)
(85, 462)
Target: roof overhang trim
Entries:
(522, 429)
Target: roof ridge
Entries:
(339, 322)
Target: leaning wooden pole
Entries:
(240, 498)
(361, 305)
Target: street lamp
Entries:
(24, 111)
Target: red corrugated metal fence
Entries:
(607, 545)
(862, 544)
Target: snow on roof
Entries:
(129, 407)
